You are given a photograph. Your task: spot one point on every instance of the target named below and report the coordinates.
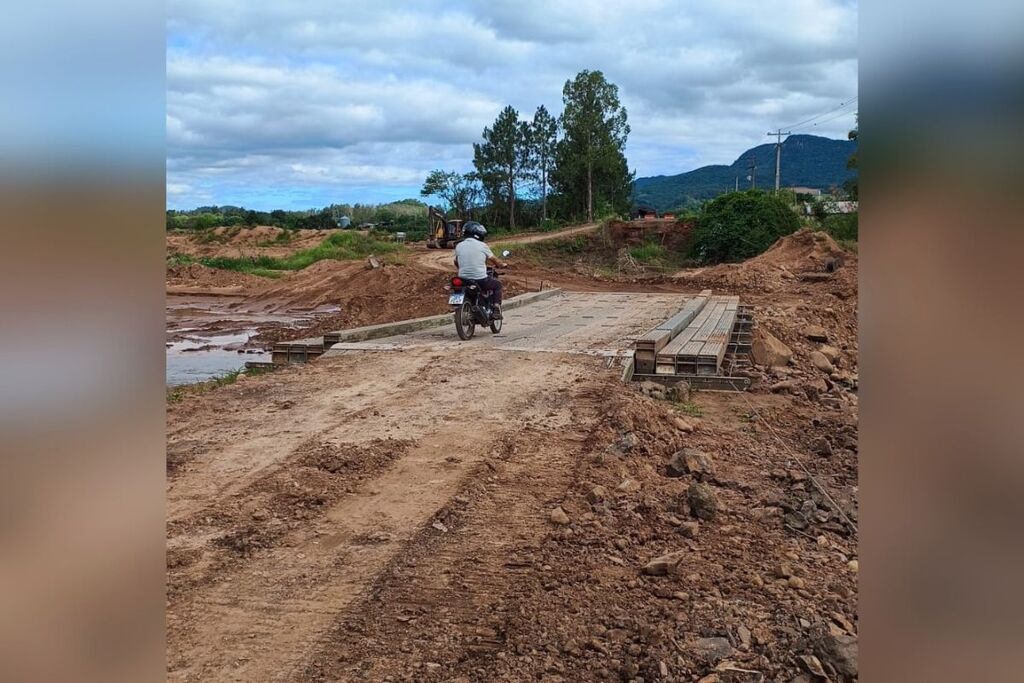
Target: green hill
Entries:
(807, 161)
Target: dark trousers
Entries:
(492, 285)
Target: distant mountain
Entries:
(807, 161)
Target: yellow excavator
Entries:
(441, 232)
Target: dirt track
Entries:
(387, 516)
(441, 259)
(255, 618)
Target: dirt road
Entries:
(393, 514)
(311, 487)
(441, 259)
(388, 516)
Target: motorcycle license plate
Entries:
(456, 298)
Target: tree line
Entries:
(407, 215)
(572, 167)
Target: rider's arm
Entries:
(491, 261)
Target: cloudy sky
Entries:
(301, 104)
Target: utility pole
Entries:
(737, 183)
(753, 172)
(778, 153)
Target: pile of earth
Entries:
(263, 240)
(360, 295)
(195, 276)
(806, 255)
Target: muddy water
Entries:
(199, 358)
(208, 336)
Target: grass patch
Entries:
(177, 259)
(283, 238)
(690, 408)
(211, 236)
(341, 246)
(649, 253)
(541, 252)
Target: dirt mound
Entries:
(235, 242)
(200, 277)
(804, 251)
(806, 256)
(358, 294)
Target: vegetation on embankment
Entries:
(608, 251)
(341, 246)
(741, 225)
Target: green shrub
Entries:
(842, 226)
(341, 246)
(648, 252)
(739, 225)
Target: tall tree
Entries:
(460, 192)
(589, 158)
(502, 158)
(543, 139)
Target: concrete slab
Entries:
(593, 323)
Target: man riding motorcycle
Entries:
(472, 256)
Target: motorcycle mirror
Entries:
(506, 253)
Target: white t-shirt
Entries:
(472, 255)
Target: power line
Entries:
(826, 113)
(832, 118)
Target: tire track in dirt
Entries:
(256, 618)
(262, 434)
(433, 609)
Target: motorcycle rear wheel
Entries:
(464, 323)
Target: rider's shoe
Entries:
(496, 312)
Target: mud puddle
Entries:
(209, 336)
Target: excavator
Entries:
(441, 232)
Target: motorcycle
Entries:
(473, 307)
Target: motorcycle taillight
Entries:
(457, 281)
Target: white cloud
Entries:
(349, 96)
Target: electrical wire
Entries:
(826, 113)
(831, 118)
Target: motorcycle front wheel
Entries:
(496, 326)
(464, 323)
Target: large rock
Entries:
(690, 461)
(819, 361)
(559, 517)
(839, 652)
(768, 351)
(660, 566)
(711, 650)
(652, 389)
(830, 352)
(816, 333)
(597, 494)
(628, 486)
(702, 501)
